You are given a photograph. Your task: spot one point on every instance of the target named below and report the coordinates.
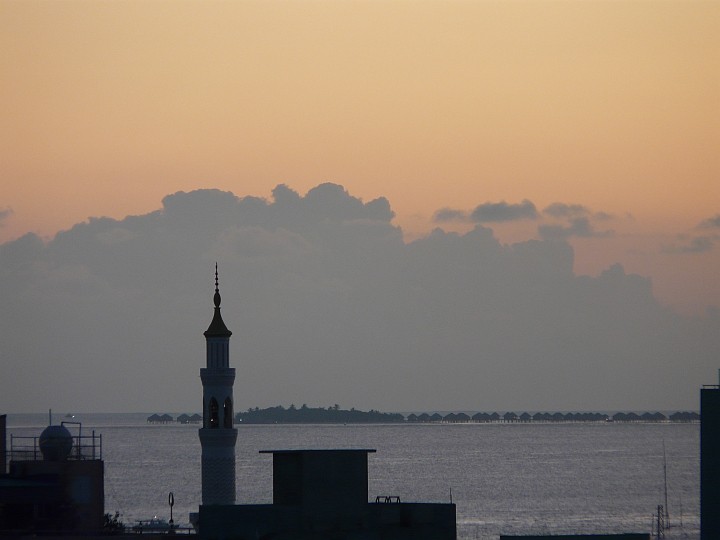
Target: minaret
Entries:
(218, 436)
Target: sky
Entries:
(586, 131)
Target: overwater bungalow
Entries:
(684, 416)
(159, 419)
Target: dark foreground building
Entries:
(54, 484)
(323, 494)
(710, 462)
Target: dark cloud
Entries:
(328, 304)
(562, 210)
(604, 216)
(693, 244)
(711, 223)
(567, 211)
(448, 215)
(580, 227)
(325, 203)
(578, 222)
(5, 213)
(20, 256)
(333, 202)
(502, 211)
(698, 244)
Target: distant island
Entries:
(315, 415)
(336, 415)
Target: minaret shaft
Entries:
(218, 353)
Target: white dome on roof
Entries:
(55, 443)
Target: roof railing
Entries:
(85, 447)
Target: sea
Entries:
(514, 479)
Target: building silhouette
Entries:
(54, 484)
(323, 495)
(710, 462)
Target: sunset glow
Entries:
(109, 106)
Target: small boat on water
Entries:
(155, 524)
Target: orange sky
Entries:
(108, 106)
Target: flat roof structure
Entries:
(334, 480)
(323, 494)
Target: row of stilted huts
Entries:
(167, 419)
(511, 417)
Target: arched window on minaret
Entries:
(214, 421)
(228, 413)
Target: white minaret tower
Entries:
(218, 436)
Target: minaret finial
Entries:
(216, 298)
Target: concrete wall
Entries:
(376, 522)
(628, 536)
(413, 520)
(330, 486)
(246, 521)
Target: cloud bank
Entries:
(711, 223)
(557, 221)
(691, 243)
(502, 211)
(698, 244)
(328, 304)
(577, 226)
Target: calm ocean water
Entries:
(505, 479)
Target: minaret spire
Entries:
(217, 327)
(216, 298)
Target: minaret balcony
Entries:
(217, 376)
